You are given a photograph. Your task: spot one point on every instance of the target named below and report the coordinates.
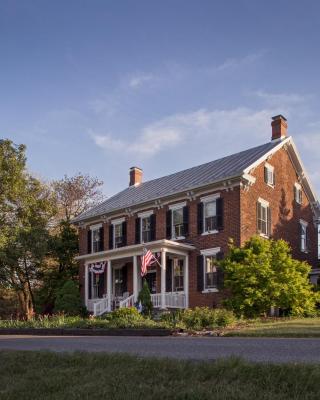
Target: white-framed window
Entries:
(118, 234)
(178, 275)
(263, 218)
(210, 269)
(118, 282)
(303, 236)
(210, 213)
(96, 238)
(177, 226)
(95, 281)
(298, 193)
(269, 174)
(145, 229)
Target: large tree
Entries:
(262, 274)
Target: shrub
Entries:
(128, 318)
(68, 299)
(145, 299)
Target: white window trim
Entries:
(204, 200)
(96, 226)
(145, 214)
(177, 206)
(92, 229)
(118, 221)
(265, 204)
(305, 225)
(114, 223)
(270, 168)
(207, 253)
(298, 188)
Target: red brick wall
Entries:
(285, 212)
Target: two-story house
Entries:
(187, 219)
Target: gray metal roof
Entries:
(188, 179)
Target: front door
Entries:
(151, 279)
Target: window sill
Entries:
(304, 251)
(213, 290)
(271, 185)
(178, 238)
(264, 236)
(209, 233)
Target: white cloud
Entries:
(139, 80)
(215, 127)
(281, 99)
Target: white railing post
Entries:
(186, 281)
(163, 279)
(109, 284)
(135, 278)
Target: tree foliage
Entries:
(145, 298)
(68, 299)
(262, 274)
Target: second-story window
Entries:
(298, 193)
(263, 218)
(95, 239)
(177, 223)
(145, 229)
(303, 236)
(210, 214)
(118, 235)
(269, 174)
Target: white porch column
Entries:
(86, 284)
(163, 278)
(109, 283)
(135, 278)
(186, 280)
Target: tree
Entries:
(145, 298)
(27, 207)
(76, 195)
(68, 299)
(262, 274)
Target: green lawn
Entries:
(41, 375)
(295, 327)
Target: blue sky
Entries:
(99, 86)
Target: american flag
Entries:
(147, 259)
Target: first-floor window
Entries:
(95, 279)
(145, 229)
(177, 223)
(210, 272)
(118, 282)
(178, 275)
(303, 236)
(263, 218)
(118, 235)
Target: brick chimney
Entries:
(279, 127)
(135, 174)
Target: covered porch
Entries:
(119, 284)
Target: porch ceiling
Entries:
(137, 250)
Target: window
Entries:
(96, 240)
(118, 282)
(118, 235)
(177, 223)
(210, 216)
(210, 272)
(178, 275)
(145, 229)
(298, 193)
(303, 236)
(263, 218)
(95, 281)
(269, 174)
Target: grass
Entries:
(286, 327)
(52, 376)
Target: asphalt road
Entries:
(205, 348)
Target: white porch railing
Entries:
(172, 300)
(101, 306)
(127, 302)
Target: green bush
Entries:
(145, 299)
(68, 299)
(128, 318)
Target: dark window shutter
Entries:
(125, 278)
(186, 220)
(219, 256)
(169, 225)
(200, 273)
(269, 221)
(266, 174)
(101, 285)
(90, 284)
(138, 230)
(307, 239)
(153, 227)
(111, 227)
(219, 205)
(200, 218)
(169, 275)
(101, 238)
(124, 233)
(89, 241)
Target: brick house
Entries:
(187, 218)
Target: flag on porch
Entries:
(97, 268)
(147, 259)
